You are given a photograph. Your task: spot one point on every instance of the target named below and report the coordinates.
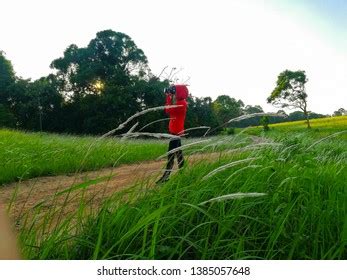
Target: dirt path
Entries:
(43, 195)
(93, 186)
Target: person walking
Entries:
(175, 95)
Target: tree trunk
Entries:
(306, 114)
(307, 119)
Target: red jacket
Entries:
(177, 114)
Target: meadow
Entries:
(281, 198)
(28, 155)
(25, 155)
(320, 127)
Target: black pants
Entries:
(173, 152)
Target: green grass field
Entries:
(28, 155)
(320, 127)
(284, 200)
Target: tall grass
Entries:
(28, 155)
(302, 215)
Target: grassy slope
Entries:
(27, 155)
(320, 127)
(303, 215)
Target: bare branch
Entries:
(122, 125)
(142, 128)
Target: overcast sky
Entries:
(234, 47)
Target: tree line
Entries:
(95, 88)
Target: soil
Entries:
(25, 197)
(34, 199)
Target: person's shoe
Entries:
(162, 180)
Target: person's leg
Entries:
(170, 160)
(179, 154)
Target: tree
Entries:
(290, 92)
(45, 104)
(7, 119)
(264, 121)
(249, 109)
(200, 113)
(226, 108)
(105, 83)
(7, 78)
(17, 101)
(35, 105)
(109, 59)
(340, 112)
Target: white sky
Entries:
(234, 47)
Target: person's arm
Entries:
(168, 102)
(8, 246)
(175, 110)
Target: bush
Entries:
(228, 131)
(265, 123)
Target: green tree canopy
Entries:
(35, 104)
(340, 112)
(290, 92)
(7, 77)
(226, 108)
(200, 113)
(109, 59)
(105, 82)
(249, 109)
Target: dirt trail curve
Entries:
(26, 194)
